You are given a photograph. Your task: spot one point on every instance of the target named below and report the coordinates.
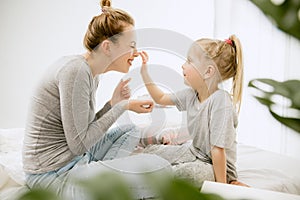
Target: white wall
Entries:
(35, 33)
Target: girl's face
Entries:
(194, 68)
(124, 51)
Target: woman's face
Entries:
(124, 51)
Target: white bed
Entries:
(258, 168)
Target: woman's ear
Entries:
(210, 71)
(105, 47)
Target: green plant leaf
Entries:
(290, 90)
(107, 186)
(38, 194)
(293, 123)
(264, 101)
(173, 188)
(285, 15)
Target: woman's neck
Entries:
(97, 63)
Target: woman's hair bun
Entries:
(106, 3)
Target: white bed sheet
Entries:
(12, 177)
(268, 170)
(232, 192)
(258, 168)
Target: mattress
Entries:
(258, 168)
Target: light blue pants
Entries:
(117, 142)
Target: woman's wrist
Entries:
(124, 104)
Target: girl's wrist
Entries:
(143, 72)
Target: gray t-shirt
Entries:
(62, 122)
(210, 123)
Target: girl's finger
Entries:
(145, 53)
(144, 57)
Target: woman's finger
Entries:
(124, 83)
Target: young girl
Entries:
(211, 112)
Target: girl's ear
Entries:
(105, 47)
(210, 71)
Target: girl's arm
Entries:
(219, 163)
(158, 96)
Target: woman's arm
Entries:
(158, 96)
(81, 130)
(121, 92)
(219, 163)
(104, 110)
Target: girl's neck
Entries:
(204, 92)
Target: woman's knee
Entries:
(129, 128)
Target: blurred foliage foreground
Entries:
(113, 186)
(281, 98)
(285, 14)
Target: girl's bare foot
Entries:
(239, 183)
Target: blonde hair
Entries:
(227, 56)
(108, 25)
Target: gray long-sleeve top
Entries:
(62, 122)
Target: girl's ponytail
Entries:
(238, 78)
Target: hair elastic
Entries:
(104, 10)
(229, 41)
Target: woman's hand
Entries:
(145, 59)
(121, 92)
(140, 106)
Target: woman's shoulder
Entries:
(71, 64)
(75, 61)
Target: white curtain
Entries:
(268, 53)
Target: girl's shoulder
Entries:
(187, 93)
(221, 99)
(221, 94)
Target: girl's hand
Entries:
(140, 106)
(121, 92)
(145, 59)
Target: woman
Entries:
(62, 128)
